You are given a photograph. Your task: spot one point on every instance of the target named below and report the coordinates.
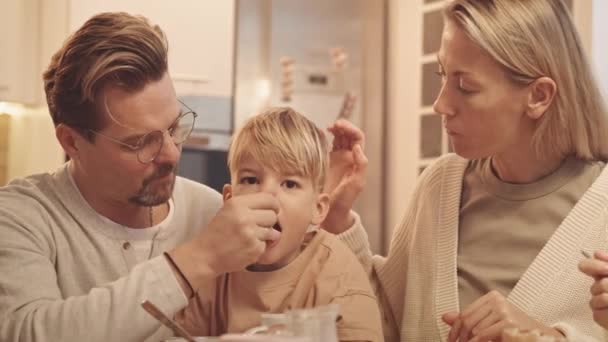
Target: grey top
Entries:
(69, 274)
(504, 226)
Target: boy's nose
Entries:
(270, 187)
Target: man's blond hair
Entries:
(110, 48)
(283, 140)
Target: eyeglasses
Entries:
(148, 147)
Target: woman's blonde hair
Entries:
(283, 140)
(118, 48)
(536, 38)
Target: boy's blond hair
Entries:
(283, 140)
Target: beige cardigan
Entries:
(417, 282)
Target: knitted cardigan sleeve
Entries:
(388, 274)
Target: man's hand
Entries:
(597, 268)
(487, 317)
(234, 239)
(346, 176)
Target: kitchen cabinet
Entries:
(200, 35)
(19, 56)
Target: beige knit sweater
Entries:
(417, 282)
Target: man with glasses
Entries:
(82, 247)
(148, 146)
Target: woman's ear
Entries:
(320, 210)
(227, 192)
(69, 140)
(541, 95)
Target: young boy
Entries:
(283, 153)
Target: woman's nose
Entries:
(442, 104)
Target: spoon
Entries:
(168, 322)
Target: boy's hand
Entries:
(346, 176)
(598, 269)
(234, 239)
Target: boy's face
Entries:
(300, 205)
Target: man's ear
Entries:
(320, 210)
(541, 95)
(227, 192)
(69, 139)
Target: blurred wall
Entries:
(599, 43)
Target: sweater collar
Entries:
(568, 170)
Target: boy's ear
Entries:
(321, 209)
(542, 94)
(227, 192)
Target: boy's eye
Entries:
(289, 184)
(248, 180)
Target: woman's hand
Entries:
(487, 317)
(346, 176)
(598, 269)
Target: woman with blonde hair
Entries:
(493, 234)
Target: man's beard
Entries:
(147, 196)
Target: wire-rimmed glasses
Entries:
(148, 147)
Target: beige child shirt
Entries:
(325, 272)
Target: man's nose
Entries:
(169, 151)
